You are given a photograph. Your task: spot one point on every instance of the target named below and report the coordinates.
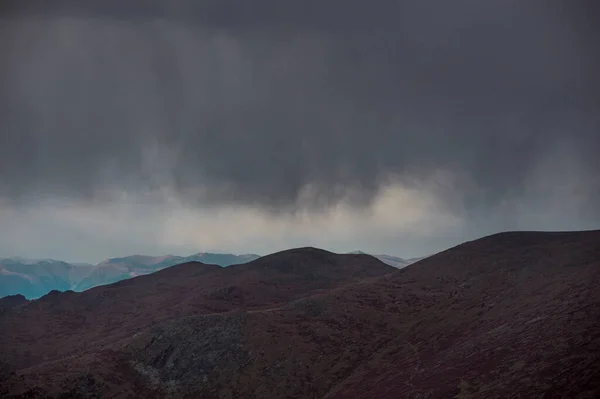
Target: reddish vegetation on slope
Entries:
(11, 301)
(62, 324)
(510, 315)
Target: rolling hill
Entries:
(35, 278)
(117, 269)
(509, 315)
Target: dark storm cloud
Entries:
(250, 102)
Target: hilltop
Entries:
(34, 278)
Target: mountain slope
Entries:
(32, 279)
(510, 315)
(75, 323)
(117, 269)
(11, 301)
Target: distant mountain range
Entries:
(34, 278)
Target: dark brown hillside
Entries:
(514, 315)
(510, 315)
(62, 324)
(11, 301)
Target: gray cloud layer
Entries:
(298, 105)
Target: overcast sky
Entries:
(399, 127)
